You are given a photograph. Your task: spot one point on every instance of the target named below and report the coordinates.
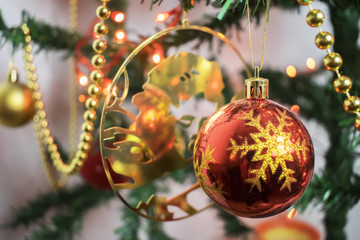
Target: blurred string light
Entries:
(291, 71)
(157, 55)
(292, 214)
(311, 63)
(82, 98)
(120, 36)
(83, 79)
(295, 109)
(162, 17)
(118, 17)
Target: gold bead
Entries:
(352, 104)
(342, 84)
(45, 132)
(83, 146)
(27, 39)
(98, 61)
(29, 75)
(100, 29)
(55, 156)
(28, 48)
(33, 86)
(304, 2)
(324, 40)
(52, 148)
(91, 103)
(28, 57)
(49, 140)
(81, 155)
(41, 114)
(103, 12)
(105, 1)
(315, 18)
(33, 77)
(90, 115)
(39, 105)
(36, 120)
(333, 61)
(36, 96)
(357, 123)
(99, 45)
(96, 76)
(44, 123)
(94, 90)
(87, 127)
(86, 137)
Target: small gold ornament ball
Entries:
(324, 40)
(352, 104)
(303, 2)
(333, 61)
(315, 18)
(99, 45)
(98, 61)
(103, 12)
(357, 124)
(101, 29)
(16, 104)
(342, 84)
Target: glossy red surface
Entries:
(254, 158)
(94, 174)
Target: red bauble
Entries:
(254, 158)
(94, 174)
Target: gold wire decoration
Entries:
(141, 155)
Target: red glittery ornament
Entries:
(254, 158)
(94, 174)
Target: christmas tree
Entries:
(54, 41)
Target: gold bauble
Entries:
(324, 40)
(99, 45)
(98, 61)
(357, 123)
(103, 12)
(315, 18)
(342, 84)
(100, 29)
(16, 104)
(333, 61)
(352, 104)
(303, 2)
(96, 76)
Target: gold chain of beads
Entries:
(332, 61)
(94, 91)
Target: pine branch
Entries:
(232, 225)
(70, 207)
(47, 37)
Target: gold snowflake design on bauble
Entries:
(207, 158)
(273, 146)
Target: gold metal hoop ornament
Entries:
(155, 208)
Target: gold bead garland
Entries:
(333, 61)
(45, 139)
